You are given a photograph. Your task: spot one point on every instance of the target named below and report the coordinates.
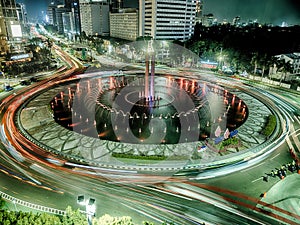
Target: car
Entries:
(33, 79)
(24, 82)
(8, 88)
(202, 148)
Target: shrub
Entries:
(270, 126)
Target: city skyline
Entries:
(267, 11)
(147, 116)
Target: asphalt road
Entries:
(182, 200)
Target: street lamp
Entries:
(14, 201)
(90, 207)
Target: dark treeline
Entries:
(244, 48)
(252, 38)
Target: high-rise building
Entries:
(72, 6)
(60, 10)
(236, 21)
(22, 14)
(65, 17)
(116, 5)
(76, 16)
(68, 22)
(208, 20)
(3, 35)
(124, 24)
(51, 13)
(167, 19)
(12, 26)
(199, 11)
(94, 17)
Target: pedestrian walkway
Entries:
(284, 195)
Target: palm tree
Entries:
(254, 61)
(286, 67)
(271, 63)
(263, 61)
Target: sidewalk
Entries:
(284, 195)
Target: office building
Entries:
(22, 14)
(199, 11)
(72, 7)
(167, 19)
(116, 5)
(3, 35)
(124, 24)
(94, 17)
(9, 21)
(59, 11)
(293, 59)
(51, 13)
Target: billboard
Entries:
(16, 30)
(208, 65)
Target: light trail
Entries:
(208, 200)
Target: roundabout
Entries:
(69, 119)
(108, 129)
(141, 121)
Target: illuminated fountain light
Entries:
(239, 105)
(244, 108)
(233, 100)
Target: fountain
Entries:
(148, 108)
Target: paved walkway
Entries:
(285, 195)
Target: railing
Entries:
(31, 205)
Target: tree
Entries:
(285, 67)
(254, 60)
(109, 220)
(2, 203)
(144, 38)
(263, 62)
(271, 63)
(74, 217)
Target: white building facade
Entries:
(294, 60)
(94, 17)
(167, 19)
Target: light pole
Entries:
(90, 207)
(14, 201)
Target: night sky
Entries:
(266, 11)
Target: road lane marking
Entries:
(257, 179)
(275, 156)
(242, 171)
